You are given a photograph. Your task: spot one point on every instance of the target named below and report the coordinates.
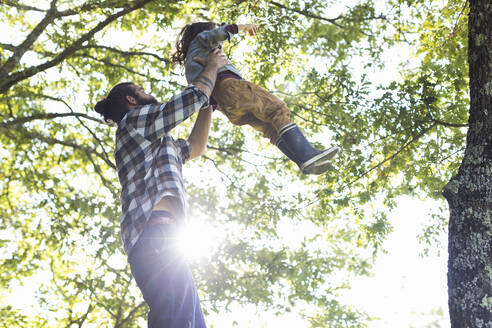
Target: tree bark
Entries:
(469, 193)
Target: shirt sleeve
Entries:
(184, 148)
(154, 121)
(212, 38)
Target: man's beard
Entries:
(145, 101)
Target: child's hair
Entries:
(187, 34)
(113, 107)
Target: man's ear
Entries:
(131, 100)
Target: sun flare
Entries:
(198, 239)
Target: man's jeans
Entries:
(165, 280)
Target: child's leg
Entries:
(269, 109)
(294, 145)
(266, 129)
(239, 106)
(246, 103)
(265, 106)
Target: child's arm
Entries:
(213, 37)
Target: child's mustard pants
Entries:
(246, 103)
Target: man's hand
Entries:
(250, 29)
(215, 58)
(206, 80)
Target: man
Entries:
(153, 195)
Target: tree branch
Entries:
(9, 106)
(232, 151)
(69, 12)
(450, 125)
(99, 172)
(313, 93)
(22, 7)
(92, 5)
(44, 116)
(110, 64)
(52, 141)
(8, 47)
(129, 70)
(73, 113)
(84, 317)
(70, 50)
(234, 183)
(7, 186)
(20, 50)
(306, 120)
(308, 14)
(127, 53)
(130, 315)
(333, 21)
(402, 148)
(452, 154)
(311, 15)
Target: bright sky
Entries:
(406, 290)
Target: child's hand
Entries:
(247, 28)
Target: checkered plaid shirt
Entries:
(149, 160)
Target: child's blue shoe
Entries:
(296, 147)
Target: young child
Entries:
(244, 102)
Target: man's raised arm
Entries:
(206, 80)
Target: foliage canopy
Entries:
(59, 209)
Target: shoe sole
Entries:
(319, 163)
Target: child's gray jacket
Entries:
(202, 45)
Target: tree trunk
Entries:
(469, 193)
